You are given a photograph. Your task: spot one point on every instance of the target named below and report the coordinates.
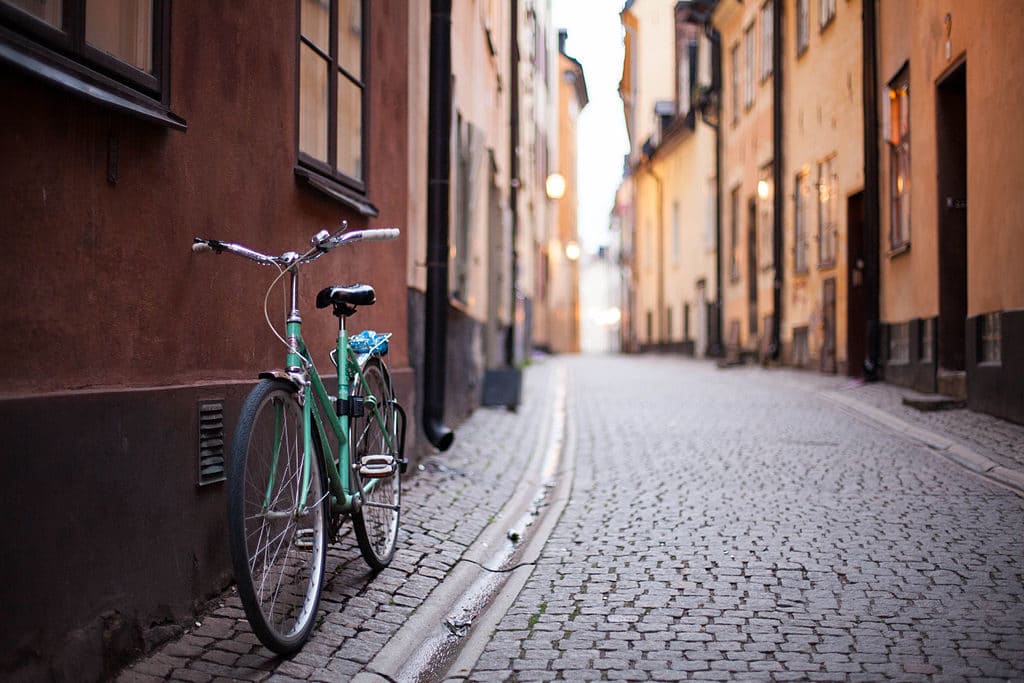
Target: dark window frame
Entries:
(800, 224)
(899, 231)
(828, 213)
(766, 35)
(734, 234)
(803, 26)
(323, 175)
(62, 57)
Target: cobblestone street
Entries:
(735, 525)
(722, 525)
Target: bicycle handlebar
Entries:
(322, 243)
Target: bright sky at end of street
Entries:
(595, 40)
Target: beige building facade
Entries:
(746, 189)
(666, 206)
(561, 303)
(823, 324)
(950, 80)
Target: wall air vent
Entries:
(211, 442)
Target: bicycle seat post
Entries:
(294, 322)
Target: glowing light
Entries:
(763, 190)
(572, 251)
(555, 186)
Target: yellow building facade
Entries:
(665, 208)
(561, 303)
(746, 189)
(950, 80)
(823, 323)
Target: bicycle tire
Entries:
(278, 553)
(378, 513)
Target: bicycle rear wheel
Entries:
(277, 548)
(376, 519)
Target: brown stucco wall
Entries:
(100, 282)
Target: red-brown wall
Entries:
(114, 329)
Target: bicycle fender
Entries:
(277, 374)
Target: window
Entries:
(111, 51)
(734, 60)
(826, 12)
(734, 235)
(991, 339)
(748, 67)
(686, 74)
(827, 213)
(766, 40)
(801, 349)
(803, 24)
(899, 343)
(709, 215)
(899, 161)
(332, 93)
(802, 197)
(766, 217)
(676, 236)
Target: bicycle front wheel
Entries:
(374, 438)
(276, 517)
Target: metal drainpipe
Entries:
(717, 350)
(513, 186)
(871, 191)
(435, 346)
(778, 182)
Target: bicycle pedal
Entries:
(377, 466)
(303, 539)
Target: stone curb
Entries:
(436, 633)
(949, 449)
(507, 594)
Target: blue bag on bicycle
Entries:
(368, 341)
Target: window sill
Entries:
(337, 192)
(79, 80)
(896, 251)
(827, 266)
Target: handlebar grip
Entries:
(380, 234)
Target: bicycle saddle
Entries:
(345, 298)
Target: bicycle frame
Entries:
(302, 371)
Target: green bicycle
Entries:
(287, 491)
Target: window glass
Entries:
(766, 40)
(122, 28)
(316, 23)
(350, 32)
(331, 89)
(802, 25)
(899, 162)
(748, 67)
(350, 125)
(313, 104)
(49, 11)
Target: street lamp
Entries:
(555, 186)
(572, 251)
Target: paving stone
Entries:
(791, 540)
